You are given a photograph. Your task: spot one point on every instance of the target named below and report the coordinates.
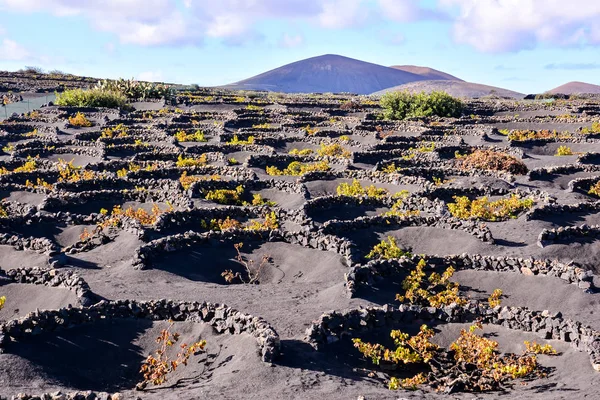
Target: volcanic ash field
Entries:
(253, 223)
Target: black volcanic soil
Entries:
(299, 282)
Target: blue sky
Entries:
(524, 45)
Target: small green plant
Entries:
(258, 200)
(296, 168)
(402, 105)
(483, 209)
(304, 152)
(595, 128)
(494, 299)
(232, 161)
(564, 151)
(226, 196)
(119, 131)
(595, 189)
(236, 140)
(391, 169)
(433, 291)
(262, 126)
(387, 250)
(29, 166)
(426, 148)
(536, 348)
(191, 162)
(357, 190)
(197, 136)
(310, 131)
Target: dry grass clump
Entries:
(156, 368)
(80, 121)
(333, 150)
(494, 161)
(187, 180)
(519, 135)
(486, 210)
(142, 216)
(269, 223)
(71, 173)
(564, 151)
(253, 272)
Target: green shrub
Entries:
(402, 105)
(90, 98)
(486, 210)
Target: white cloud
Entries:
(512, 25)
(12, 51)
(339, 14)
(142, 22)
(162, 22)
(399, 10)
(291, 41)
(487, 25)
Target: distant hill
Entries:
(327, 73)
(426, 72)
(454, 88)
(575, 88)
